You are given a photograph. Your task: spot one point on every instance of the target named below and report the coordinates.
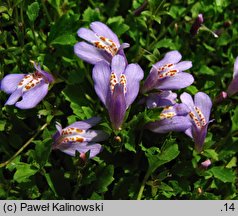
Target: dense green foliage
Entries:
(135, 163)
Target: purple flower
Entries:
(161, 99)
(168, 74)
(221, 97)
(32, 88)
(103, 44)
(172, 118)
(233, 87)
(199, 115)
(205, 164)
(78, 137)
(117, 86)
(197, 24)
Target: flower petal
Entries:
(101, 77)
(32, 97)
(134, 74)
(206, 163)
(89, 53)
(161, 99)
(235, 73)
(10, 82)
(58, 133)
(184, 65)
(71, 148)
(180, 80)
(95, 135)
(199, 137)
(171, 57)
(181, 109)
(188, 132)
(121, 52)
(48, 76)
(233, 87)
(177, 123)
(14, 97)
(94, 149)
(124, 45)
(150, 81)
(103, 30)
(85, 124)
(188, 100)
(117, 106)
(87, 35)
(118, 65)
(204, 103)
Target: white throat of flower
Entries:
(198, 117)
(106, 44)
(71, 135)
(30, 81)
(114, 81)
(167, 113)
(167, 71)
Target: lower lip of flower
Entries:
(198, 117)
(167, 115)
(167, 71)
(114, 81)
(30, 81)
(106, 44)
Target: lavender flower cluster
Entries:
(117, 84)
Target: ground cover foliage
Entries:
(135, 163)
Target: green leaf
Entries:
(67, 39)
(23, 173)
(192, 89)
(223, 174)
(91, 15)
(166, 43)
(55, 4)
(96, 196)
(130, 147)
(14, 163)
(223, 40)
(118, 25)
(206, 70)
(3, 9)
(104, 178)
(211, 153)
(234, 119)
(209, 48)
(80, 107)
(33, 11)
(64, 29)
(42, 151)
(156, 158)
(50, 183)
(2, 125)
(232, 163)
(176, 11)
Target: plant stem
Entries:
(140, 194)
(34, 35)
(22, 24)
(24, 146)
(46, 11)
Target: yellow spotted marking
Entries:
(201, 116)
(71, 134)
(167, 115)
(31, 80)
(114, 81)
(167, 71)
(106, 44)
